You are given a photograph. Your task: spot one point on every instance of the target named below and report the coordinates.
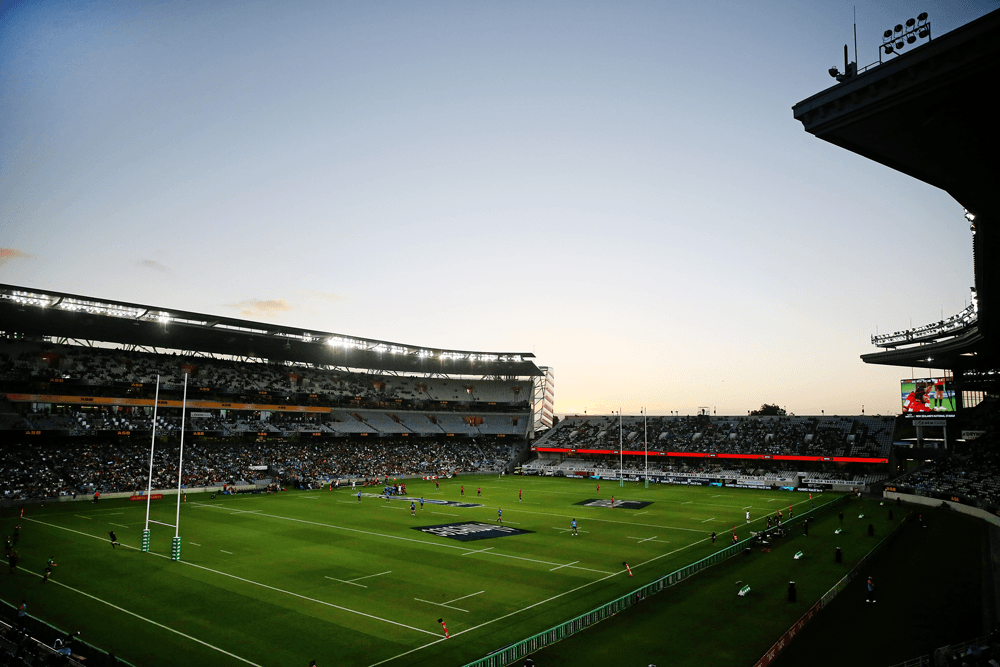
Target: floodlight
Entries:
(911, 38)
(887, 34)
(922, 16)
(910, 23)
(899, 44)
(888, 48)
(923, 32)
(899, 27)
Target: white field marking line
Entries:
(642, 512)
(194, 543)
(226, 552)
(347, 582)
(410, 539)
(688, 502)
(559, 567)
(559, 595)
(569, 529)
(628, 523)
(772, 500)
(707, 520)
(718, 496)
(309, 497)
(477, 552)
(464, 596)
(748, 507)
(143, 618)
(391, 507)
(83, 517)
(248, 581)
(532, 560)
(442, 604)
(348, 502)
(444, 514)
(371, 575)
(118, 524)
(358, 530)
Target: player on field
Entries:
(421, 502)
(519, 492)
(748, 516)
(499, 515)
(463, 489)
(48, 569)
(413, 508)
(359, 496)
(573, 524)
(114, 540)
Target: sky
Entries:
(618, 187)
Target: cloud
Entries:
(261, 308)
(153, 265)
(326, 296)
(10, 254)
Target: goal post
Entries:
(175, 545)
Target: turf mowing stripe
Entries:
(247, 581)
(142, 618)
(410, 539)
(412, 650)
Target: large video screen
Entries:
(927, 395)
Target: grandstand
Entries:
(78, 379)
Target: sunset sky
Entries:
(618, 187)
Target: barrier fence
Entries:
(525, 647)
(45, 635)
(827, 598)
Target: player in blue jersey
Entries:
(413, 508)
(574, 527)
(499, 515)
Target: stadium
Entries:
(187, 488)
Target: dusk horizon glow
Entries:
(620, 189)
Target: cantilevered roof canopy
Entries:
(36, 312)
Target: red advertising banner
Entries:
(155, 496)
(707, 455)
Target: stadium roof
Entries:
(926, 113)
(37, 312)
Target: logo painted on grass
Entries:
(619, 504)
(467, 531)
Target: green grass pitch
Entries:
(299, 576)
